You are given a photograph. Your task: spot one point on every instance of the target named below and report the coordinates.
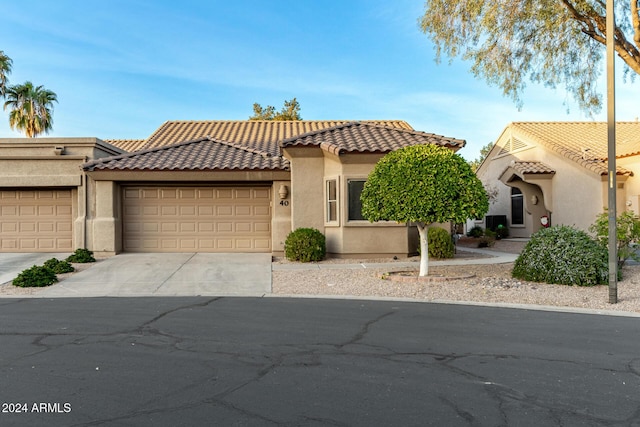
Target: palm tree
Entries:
(5, 69)
(31, 108)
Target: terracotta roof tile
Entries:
(367, 137)
(532, 167)
(199, 154)
(260, 134)
(585, 142)
(127, 144)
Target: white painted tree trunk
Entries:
(424, 249)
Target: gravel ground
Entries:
(492, 284)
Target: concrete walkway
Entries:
(11, 264)
(491, 257)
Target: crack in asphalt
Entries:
(310, 355)
(364, 330)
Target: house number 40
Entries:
(284, 203)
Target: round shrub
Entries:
(562, 255)
(35, 277)
(305, 245)
(81, 256)
(440, 243)
(476, 231)
(58, 266)
(502, 231)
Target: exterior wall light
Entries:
(283, 191)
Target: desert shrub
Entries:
(35, 277)
(305, 245)
(440, 243)
(58, 266)
(486, 242)
(476, 231)
(562, 255)
(627, 234)
(81, 256)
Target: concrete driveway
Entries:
(11, 264)
(171, 274)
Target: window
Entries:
(332, 200)
(354, 189)
(517, 207)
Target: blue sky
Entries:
(122, 68)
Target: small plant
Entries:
(562, 255)
(486, 242)
(440, 243)
(81, 256)
(305, 245)
(502, 231)
(476, 231)
(58, 266)
(35, 277)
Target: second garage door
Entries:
(35, 221)
(197, 219)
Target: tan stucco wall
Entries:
(53, 163)
(578, 194)
(281, 216)
(353, 238)
(307, 183)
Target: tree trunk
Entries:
(424, 249)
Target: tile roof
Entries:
(367, 137)
(585, 142)
(532, 167)
(196, 155)
(259, 134)
(127, 144)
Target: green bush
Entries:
(81, 256)
(58, 266)
(562, 255)
(35, 277)
(440, 243)
(305, 245)
(502, 231)
(476, 231)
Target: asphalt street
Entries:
(311, 362)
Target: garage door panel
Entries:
(205, 219)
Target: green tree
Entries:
(484, 152)
(290, 111)
(31, 108)
(5, 69)
(552, 42)
(424, 184)
(627, 234)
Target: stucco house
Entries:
(202, 186)
(556, 172)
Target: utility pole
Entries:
(611, 143)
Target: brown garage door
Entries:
(35, 221)
(197, 219)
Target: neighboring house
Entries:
(557, 172)
(203, 186)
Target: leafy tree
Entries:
(5, 69)
(290, 111)
(484, 152)
(627, 234)
(30, 108)
(545, 41)
(424, 184)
